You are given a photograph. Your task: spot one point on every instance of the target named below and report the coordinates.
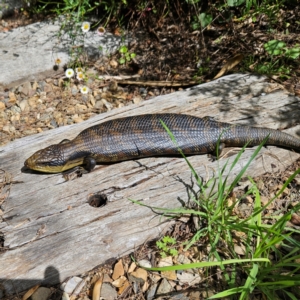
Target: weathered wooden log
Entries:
(52, 232)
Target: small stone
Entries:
(41, 293)
(118, 270)
(239, 249)
(24, 105)
(137, 99)
(123, 287)
(119, 282)
(33, 101)
(151, 291)
(166, 262)
(72, 284)
(35, 85)
(99, 105)
(74, 90)
(188, 278)
(155, 277)
(140, 275)
(164, 287)
(91, 100)
(53, 123)
(132, 267)
(80, 108)
(65, 296)
(182, 259)
(108, 292)
(2, 105)
(144, 263)
(108, 105)
(45, 117)
(171, 275)
(78, 120)
(113, 63)
(12, 98)
(15, 117)
(26, 88)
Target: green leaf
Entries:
(293, 53)
(274, 47)
(205, 19)
(123, 49)
(235, 2)
(122, 60)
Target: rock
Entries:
(80, 108)
(77, 120)
(119, 282)
(171, 275)
(2, 105)
(74, 90)
(132, 267)
(113, 63)
(165, 262)
(118, 270)
(108, 292)
(140, 276)
(24, 106)
(239, 249)
(137, 99)
(188, 278)
(92, 100)
(151, 291)
(164, 287)
(26, 89)
(108, 105)
(41, 293)
(33, 101)
(99, 105)
(144, 263)
(182, 259)
(12, 98)
(65, 296)
(74, 285)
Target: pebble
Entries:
(108, 292)
(164, 287)
(41, 293)
(139, 276)
(74, 90)
(144, 263)
(118, 270)
(72, 284)
(151, 291)
(24, 105)
(188, 278)
(49, 103)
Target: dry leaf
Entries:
(97, 288)
(30, 292)
(230, 64)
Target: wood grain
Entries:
(52, 232)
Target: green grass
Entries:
(270, 264)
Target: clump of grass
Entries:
(271, 252)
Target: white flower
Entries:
(84, 89)
(80, 76)
(69, 73)
(85, 26)
(100, 30)
(78, 70)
